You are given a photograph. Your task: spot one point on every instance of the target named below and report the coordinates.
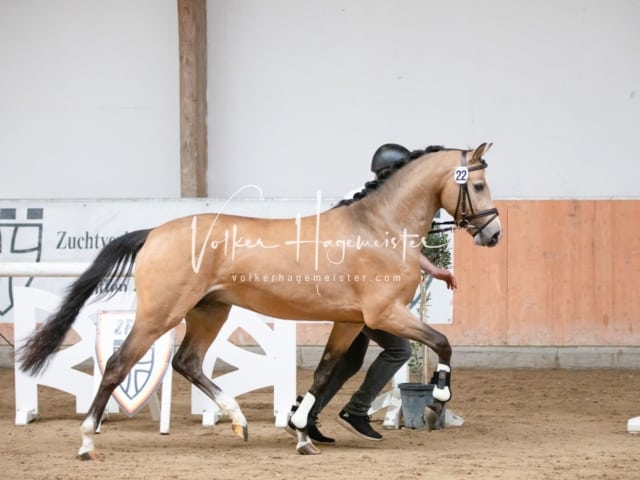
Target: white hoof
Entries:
(305, 446)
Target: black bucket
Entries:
(415, 398)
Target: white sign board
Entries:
(147, 374)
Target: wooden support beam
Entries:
(192, 28)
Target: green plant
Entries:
(436, 249)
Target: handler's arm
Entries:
(438, 273)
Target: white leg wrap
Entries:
(299, 418)
(442, 394)
(229, 406)
(442, 366)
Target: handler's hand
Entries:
(446, 276)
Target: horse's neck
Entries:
(408, 201)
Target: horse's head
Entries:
(467, 197)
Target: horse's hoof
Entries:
(241, 431)
(308, 449)
(430, 419)
(91, 455)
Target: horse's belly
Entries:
(295, 303)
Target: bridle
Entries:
(464, 206)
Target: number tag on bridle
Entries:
(461, 175)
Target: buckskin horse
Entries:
(353, 264)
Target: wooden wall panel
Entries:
(565, 273)
(480, 302)
(604, 240)
(625, 270)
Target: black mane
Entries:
(384, 175)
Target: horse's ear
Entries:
(480, 151)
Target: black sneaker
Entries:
(358, 424)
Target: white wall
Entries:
(301, 93)
(89, 98)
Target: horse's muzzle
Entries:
(490, 234)
(493, 241)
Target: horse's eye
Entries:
(478, 187)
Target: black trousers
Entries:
(396, 352)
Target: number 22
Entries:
(461, 175)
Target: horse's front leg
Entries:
(441, 378)
(400, 321)
(340, 339)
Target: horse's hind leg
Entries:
(203, 324)
(139, 340)
(340, 339)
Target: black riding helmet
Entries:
(387, 155)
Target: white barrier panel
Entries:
(276, 368)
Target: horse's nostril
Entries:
(494, 239)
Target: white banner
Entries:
(75, 231)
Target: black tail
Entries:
(114, 262)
